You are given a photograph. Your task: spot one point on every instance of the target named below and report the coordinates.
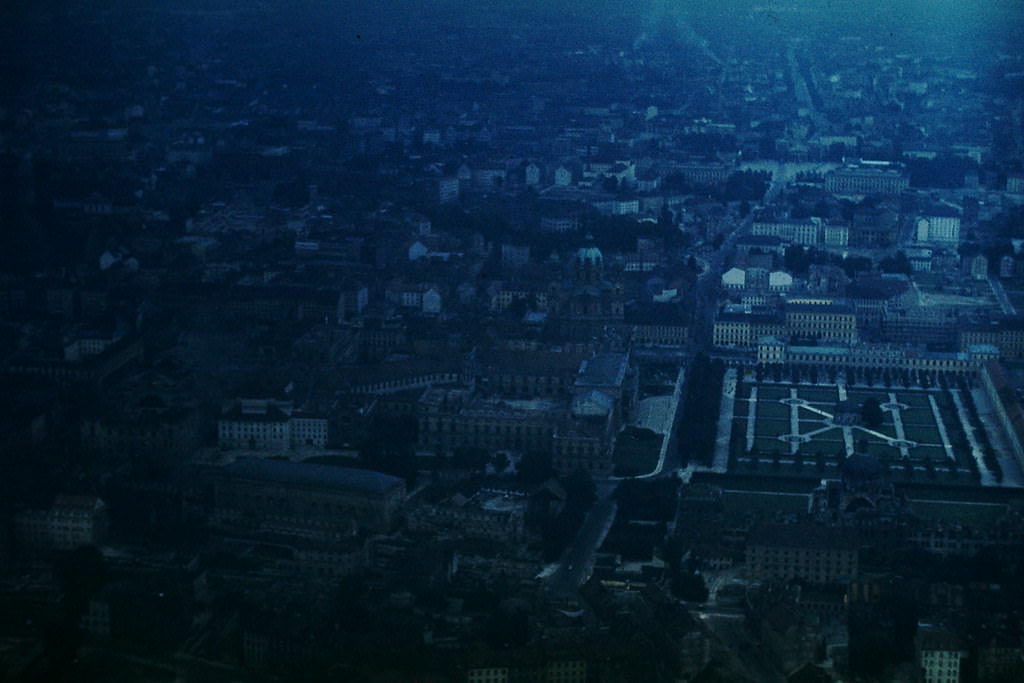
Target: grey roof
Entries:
(832, 308)
(759, 241)
(647, 313)
(592, 403)
(801, 536)
(603, 370)
(286, 472)
(821, 350)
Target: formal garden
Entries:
(806, 429)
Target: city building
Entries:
(269, 425)
(940, 226)
(1006, 333)
(863, 179)
(940, 654)
(821, 320)
(816, 554)
(488, 514)
(773, 350)
(71, 521)
(320, 502)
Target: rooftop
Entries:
(303, 474)
(801, 536)
(603, 370)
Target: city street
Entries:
(574, 568)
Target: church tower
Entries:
(589, 264)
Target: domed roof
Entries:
(589, 253)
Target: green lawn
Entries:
(819, 394)
(772, 409)
(771, 427)
(772, 392)
(922, 434)
(931, 452)
(768, 445)
(633, 455)
(860, 396)
(917, 416)
(914, 400)
(882, 450)
(886, 428)
(773, 420)
(739, 408)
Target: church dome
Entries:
(589, 254)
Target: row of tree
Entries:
(988, 453)
(698, 424)
(889, 377)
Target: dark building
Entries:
(314, 501)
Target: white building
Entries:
(939, 655)
(625, 207)
(431, 301)
(71, 522)
(411, 298)
(780, 281)
(563, 176)
(448, 189)
(938, 229)
(734, 278)
(417, 250)
(532, 175)
(268, 425)
(559, 223)
(836, 235)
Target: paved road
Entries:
(1004, 301)
(708, 285)
(575, 565)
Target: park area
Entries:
(805, 430)
(636, 451)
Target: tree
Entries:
(855, 264)
(689, 586)
(796, 259)
(580, 490)
(746, 185)
(871, 413)
(470, 458)
(896, 264)
(499, 462)
(82, 572)
(666, 220)
(534, 468)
